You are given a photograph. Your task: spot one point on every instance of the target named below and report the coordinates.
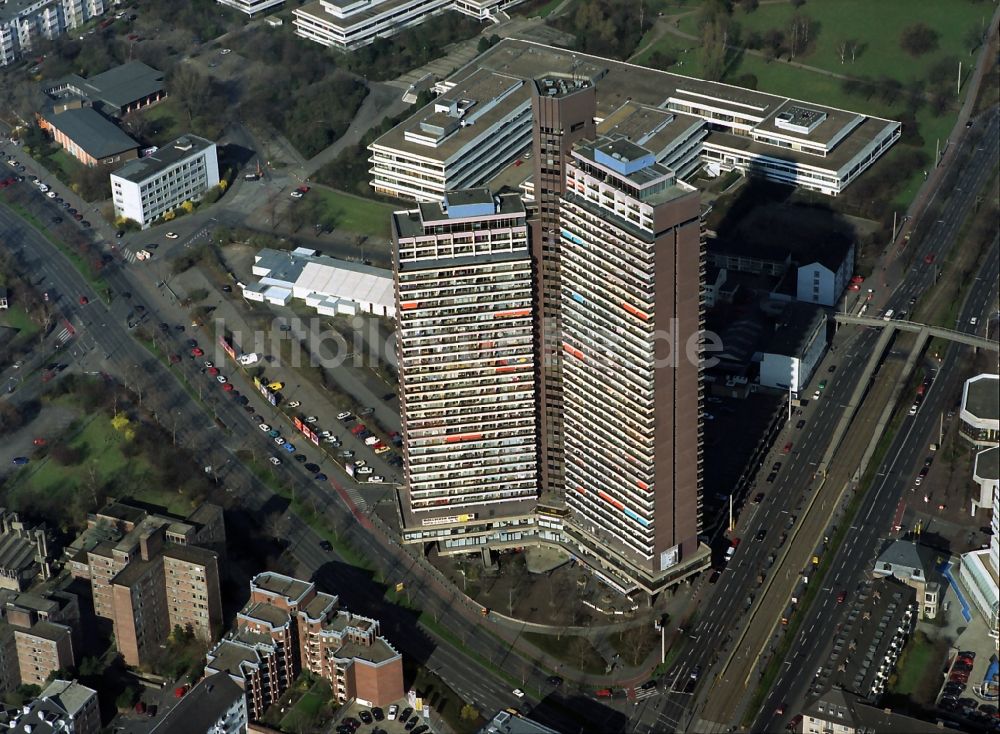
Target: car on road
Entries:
(294, 404)
(279, 440)
(39, 442)
(171, 235)
(312, 467)
(929, 258)
(326, 545)
(273, 432)
(816, 395)
(19, 460)
(213, 371)
(801, 423)
(780, 710)
(787, 449)
(301, 458)
(381, 448)
(364, 470)
(275, 460)
(518, 693)
(552, 680)
(366, 411)
(822, 385)
(347, 454)
(290, 448)
(264, 427)
(175, 358)
(759, 497)
(376, 479)
(346, 415)
(761, 533)
(295, 194)
(312, 420)
(84, 300)
(275, 385)
(222, 379)
(197, 352)
(321, 477)
(841, 596)
(973, 321)
(393, 710)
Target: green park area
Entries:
(17, 318)
(353, 213)
(897, 59)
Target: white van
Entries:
(888, 315)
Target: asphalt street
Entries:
(721, 610)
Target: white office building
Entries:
(350, 24)
(252, 7)
(22, 22)
(466, 359)
(980, 569)
(147, 188)
(687, 123)
(465, 137)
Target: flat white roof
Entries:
(343, 281)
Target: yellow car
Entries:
(275, 386)
(381, 449)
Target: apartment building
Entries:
(215, 706)
(42, 629)
(288, 626)
(64, 706)
(351, 24)
(686, 123)
(466, 361)
(252, 7)
(836, 711)
(631, 267)
(563, 111)
(24, 22)
(24, 552)
(149, 573)
(979, 572)
(147, 188)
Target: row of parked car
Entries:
(407, 717)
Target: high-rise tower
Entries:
(563, 110)
(631, 270)
(466, 366)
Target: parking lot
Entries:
(399, 718)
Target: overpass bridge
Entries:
(918, 328)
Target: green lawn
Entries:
(16, 317)
(355, 214)
(103, 463)
(304, 714)
(877, 27)
(918, 669)
(167, 119)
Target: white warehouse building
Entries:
(331, 286)
(147, 188)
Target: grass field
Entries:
(573, 649)
(354, 213)
(104, 463)
(303, 715)
(877, 28)
(918, 670)
(16, 317)
(166, 118)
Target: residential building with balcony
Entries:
(351, 24)
(979, 572)
(286, 627)
(631, 265)
(24, 22)
(688, 124)
(465, 349)
(147, 188)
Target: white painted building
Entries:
(333, 287)
(791, 354)
(350, 24)
(980, 414)
(466, 136)
(686, 122)
(22, 22)
(147, 188)
(252, 7)
(823, 281)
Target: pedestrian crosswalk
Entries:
(64, 336)
(354, 493)
(129, 255)
(641, 693)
